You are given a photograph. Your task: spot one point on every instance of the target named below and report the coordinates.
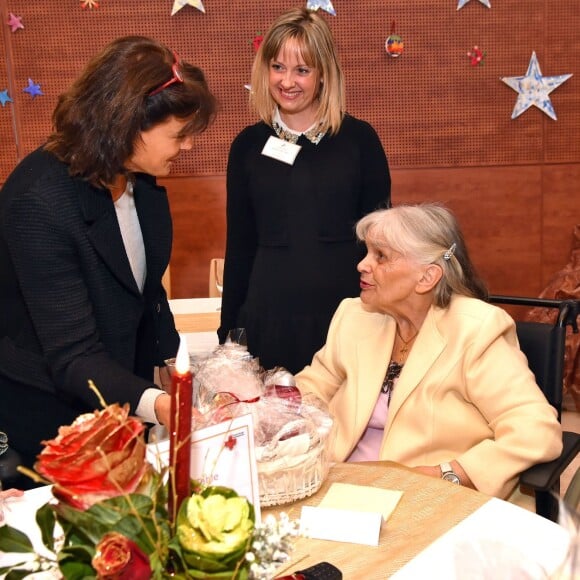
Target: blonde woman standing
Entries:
(297, 182)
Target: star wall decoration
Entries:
(462, 3)
(179, 4)
(326, 5)
(15, 22)
(33, 89)
(533, 89)
(4, 98)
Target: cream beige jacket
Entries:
(465, 392)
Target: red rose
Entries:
(100, 456)
(117, 558)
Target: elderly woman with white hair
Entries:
(422, 370)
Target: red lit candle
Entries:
(180, 430)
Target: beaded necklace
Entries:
(394, 369)
(314, 135)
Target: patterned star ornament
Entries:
(4, 98)
(33, 89)
(533, 89)
(326, 5)
(179, 4)
(15, 22)
(462, 3)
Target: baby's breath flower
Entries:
(271, 547)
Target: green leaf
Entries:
(6, 569)
(17, 574)
(46, 519)
(241, 575)
(75, 562)
(13, 540)
(128, 515)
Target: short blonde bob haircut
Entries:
(318, 51)
(428, 234)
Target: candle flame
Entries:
(182, 359)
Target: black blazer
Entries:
(70, 309)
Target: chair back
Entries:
(544, 344)
(216, 277)
(544, 347)
(166, 282)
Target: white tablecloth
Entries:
(498, 541)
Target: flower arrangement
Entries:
(110, 519)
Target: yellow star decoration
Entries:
(179, 4)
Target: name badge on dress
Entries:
(281, 150)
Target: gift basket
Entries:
(291, 432)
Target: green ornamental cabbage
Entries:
(214, 530)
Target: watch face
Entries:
(451, 477)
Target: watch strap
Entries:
(445, 468)
(448, 474)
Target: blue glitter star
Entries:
(326, 5)
(33, 89)
(534, 89)
(4, 98)
(462, 3)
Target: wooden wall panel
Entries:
(430, 107)
(504, 241)
(560, 213)
(518, 221)
(445, 125)
(198, 210)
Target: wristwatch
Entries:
(448, 474)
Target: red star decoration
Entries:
(476, 56)
(256, 41)
(231, 442)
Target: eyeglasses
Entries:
(176, 78)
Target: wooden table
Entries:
(428, 508)
(433, 523)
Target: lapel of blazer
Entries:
(427, 349)
(373, 355)
(156, 227)
(104, 232)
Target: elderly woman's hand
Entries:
(435, 471)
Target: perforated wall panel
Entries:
(430, 107)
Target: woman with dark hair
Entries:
(85, 237)
(422, 370)
(297, 182)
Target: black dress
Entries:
(291, 252)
